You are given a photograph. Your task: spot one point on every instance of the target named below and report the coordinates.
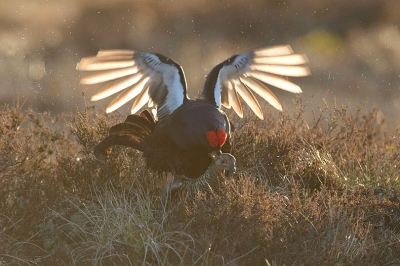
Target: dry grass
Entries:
(324, 192)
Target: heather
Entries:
(308, 191)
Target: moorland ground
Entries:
(324, 191)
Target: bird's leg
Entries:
(179, 178)
(175, 183)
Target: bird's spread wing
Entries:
(150, 78)
(248, 73)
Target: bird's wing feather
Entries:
(243, 74)
(152, 78)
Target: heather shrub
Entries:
(321, 191)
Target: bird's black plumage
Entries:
(172, 144)
(177, 139)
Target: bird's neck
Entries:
(211, 179)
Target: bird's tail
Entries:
(129, 133)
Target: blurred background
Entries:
(353, 46)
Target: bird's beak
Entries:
(228, 173)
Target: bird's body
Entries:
(179, 142)
(184, 131)
(172, 144)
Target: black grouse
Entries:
(183, 132)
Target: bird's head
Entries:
(224, 161)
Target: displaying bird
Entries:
(184, 132)
(212, 180)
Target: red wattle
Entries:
(212, 138)
(221, 134)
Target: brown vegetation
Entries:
(325, 192)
